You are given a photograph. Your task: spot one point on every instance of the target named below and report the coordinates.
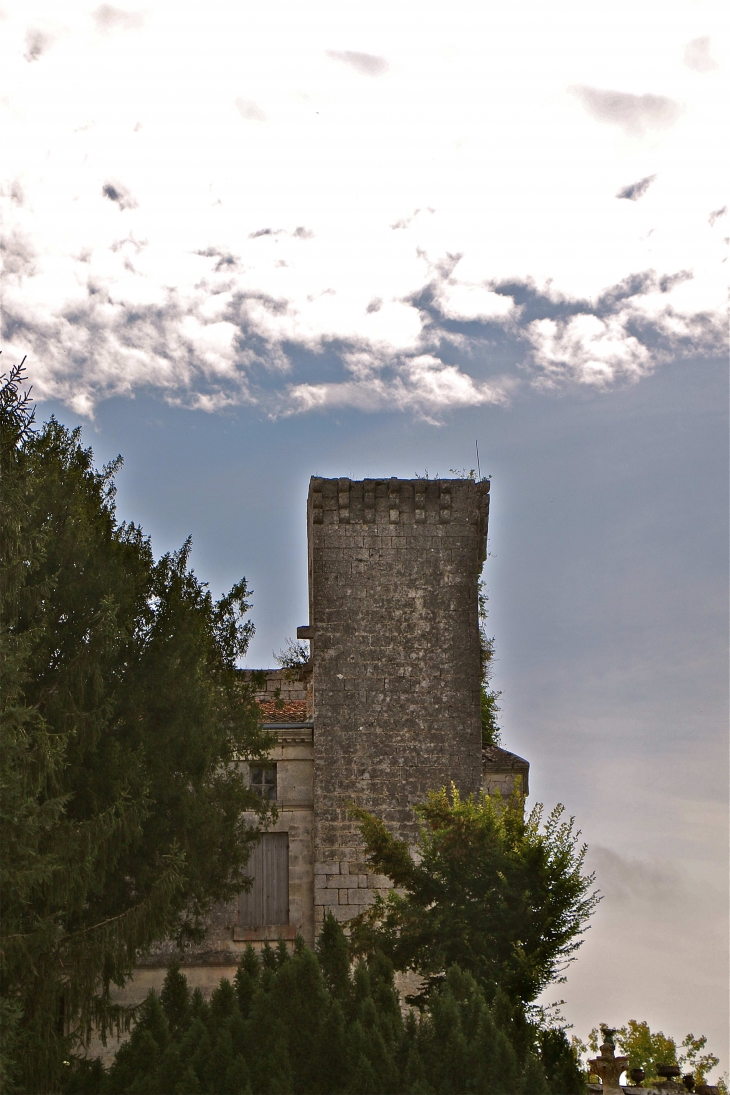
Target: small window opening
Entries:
(263, 780)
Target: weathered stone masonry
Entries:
(394, 567)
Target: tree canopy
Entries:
(124, 721)
(501, 895)
(646, 1049)
(308, 1024)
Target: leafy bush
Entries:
(499, 894)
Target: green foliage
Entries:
(311, 1026)
(123, 716)
(333, 953)
(489, 710)
(498, 894)
(295, 655)
(646, 1049)
(488, 696)
(175, 999)
(559, 1060)
(694, 1060)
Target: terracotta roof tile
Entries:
(283, 710)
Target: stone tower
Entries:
(394, 568)
(386, 710)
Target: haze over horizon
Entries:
(246, 244)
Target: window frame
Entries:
(266, 789)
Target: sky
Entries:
(247, 243)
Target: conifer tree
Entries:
(330, 1050)
(300, 1037)
(246, 980)
(533, 1080)
(333, 953)
(121, 813)
(559, 1062)
(175, 999)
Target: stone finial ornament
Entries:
(608, 1067)
(608, 1034)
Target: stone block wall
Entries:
(394, 567)
(341, 886)
(293, 756)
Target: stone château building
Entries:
(387, 708)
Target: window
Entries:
(267, 902)
(263, 780)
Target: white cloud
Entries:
(367, 64)
(623, 880)
(196, 204)
(109, 18)
(635, 114)
(587, 349)
(698, 55)
(422, 385)
(250, 110)
(37, 42)
(458, 301)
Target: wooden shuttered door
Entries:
(267, 902)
